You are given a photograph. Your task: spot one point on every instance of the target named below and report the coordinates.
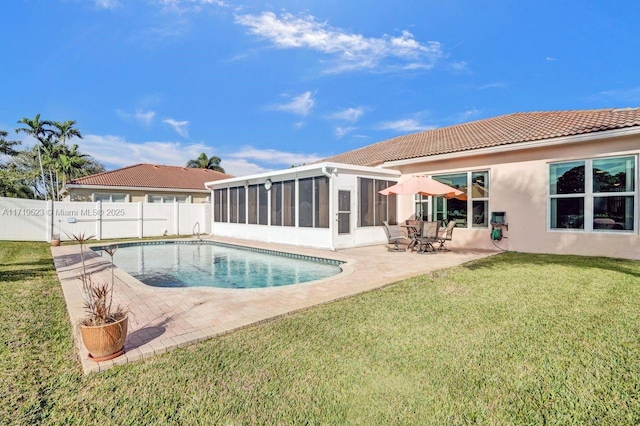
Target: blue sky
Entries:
(265, 85)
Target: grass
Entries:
(516, 338)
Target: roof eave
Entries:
(260, 177)
(134, 188)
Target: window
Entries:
(289, 203)
(480, 199)
(313, 202)
(217, 209)
(305, 203)
(283, 207)
(111, 198)
(374, 208)
(421, 207)
(233, 205)
(276, 203)
(263, 208)
(220, 205)
(253, 205)
(242, 205)
(469, 209)
(237, 203)
(593, 195)
(452, 208)
(168, 199)
(321, 198)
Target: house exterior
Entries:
(566, 181)
(148, 183)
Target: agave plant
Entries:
(98, 296)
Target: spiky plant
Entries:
(98, 297)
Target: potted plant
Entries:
(55, 240)
(104, 329)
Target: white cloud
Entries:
(468, 114)
(180, 127)
(143, 117)
(406, 125)
(241, 167)
(348, 51)
(493, 86)
(108, 4)
(342, 131)
(299, 105)
(622, 95)
(116, 152)
(459, 67)
(549, 58)
(350, 114)
(183, 6)
(273, 156)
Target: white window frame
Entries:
(589, 196)
(127, 197)
(163, 196)
(470, 199)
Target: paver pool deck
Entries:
(163, 319)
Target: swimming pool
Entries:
(208, 264)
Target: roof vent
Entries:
(155, 166)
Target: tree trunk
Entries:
(44, 182)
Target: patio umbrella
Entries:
(422, 185)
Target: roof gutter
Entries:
(631, 131)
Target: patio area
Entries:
(164, 319)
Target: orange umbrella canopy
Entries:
(422, 185)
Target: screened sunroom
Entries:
(324, 205)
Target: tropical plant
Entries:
(6, 147)
(66, 130)
(205, 162)
(36, 128)
(98, 297)
(56, 161)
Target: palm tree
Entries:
(66, 130)
(37, 129)
(204, 162)
(6, 147)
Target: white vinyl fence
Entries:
(37, 220)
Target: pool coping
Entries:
(159, 324)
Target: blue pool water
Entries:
(192, 264)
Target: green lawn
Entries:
(516, 338)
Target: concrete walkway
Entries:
(163, 319)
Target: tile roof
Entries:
(491, 132)
(153, 176)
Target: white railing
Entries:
(36, 220)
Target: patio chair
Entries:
(413, 232)
(445, 235)
(428, 236)
(394, 235)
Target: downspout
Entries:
(325, 171)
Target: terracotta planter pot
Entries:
(105, 341)
(55, 243)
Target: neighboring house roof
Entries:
(491, 132)
(152, 176)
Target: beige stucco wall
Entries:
(519, 186)
(84, 194)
